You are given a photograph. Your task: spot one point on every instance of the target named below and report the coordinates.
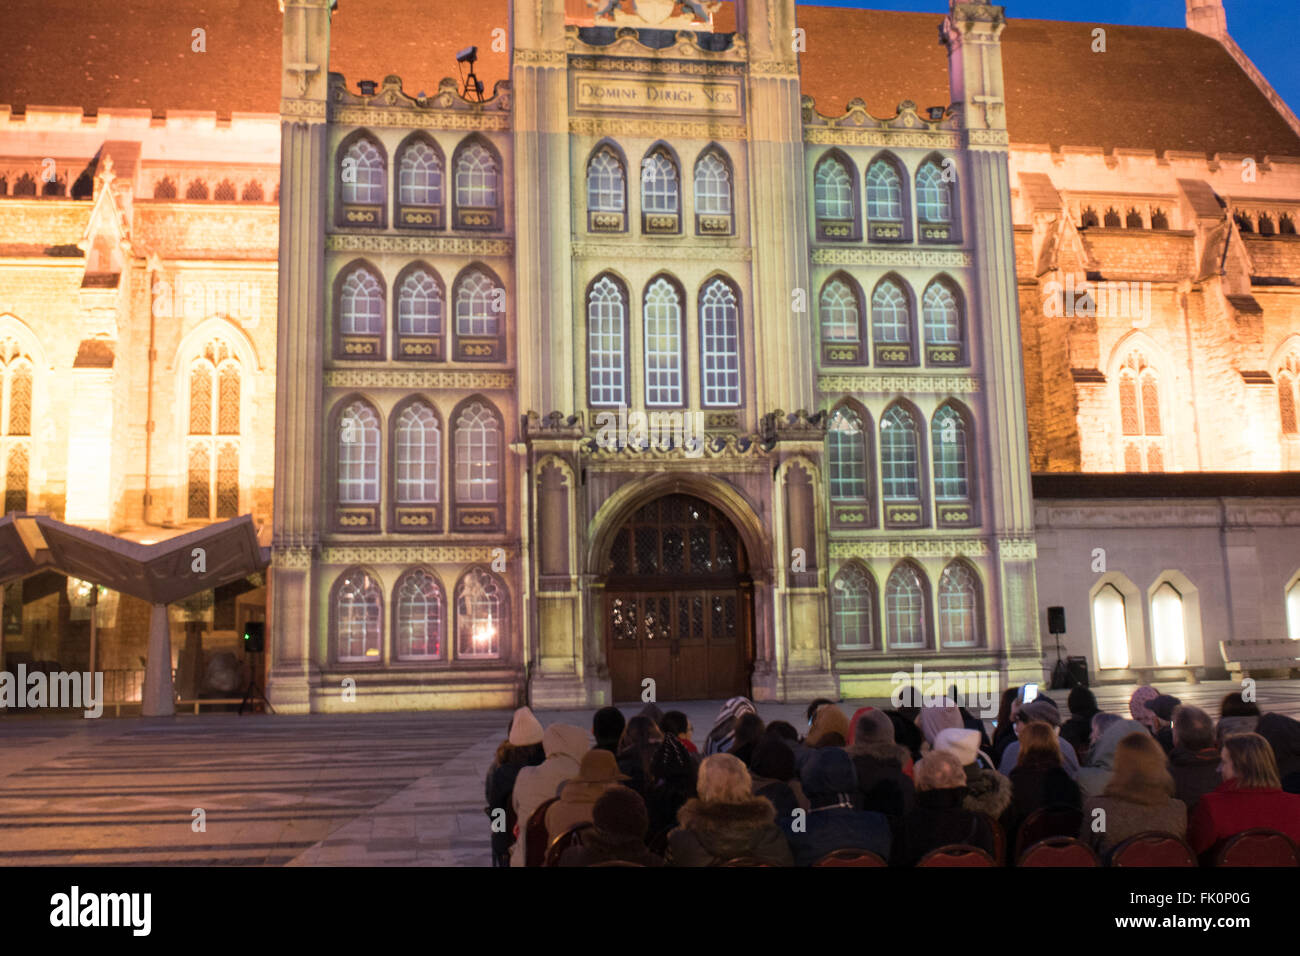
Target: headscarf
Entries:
(934, 719)
(671, 760)
(853, 723)
(873, 736)
(773, 760)
(724, 728)
(828, 720)
(1137, 706)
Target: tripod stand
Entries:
(254, 692)
(1060, 672)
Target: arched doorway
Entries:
(678, 603)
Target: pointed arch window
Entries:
(720, 345)
(362, 183)
(606, 192)
(420, 617)
(840, 309)
(358, 617)
(16, 478)
(420, 186)
(1288, 394)
(935, 201)
(905, 617)
(480, 615)
(886, 202)
(660, 194)
(959, 607)
(417, 469)
(713, 201)
(1109, 622)
(891, 323)
(848, 461)
(1139, 405)
(360, 310)
(951, 452)
(164, 189)
(213, 443)
(607, 343)
(664, 385)
(853, 609)
(478, 466)
(480, 317)
(1168, 628)
(357, 467)
(478, 187)
(900, 468)
(17, 371)
(835, 199)
(419, 315)
(941, 319)
(1293, 610)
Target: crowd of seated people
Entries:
(899, 783)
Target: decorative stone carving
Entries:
(894, 381)
(892, 258)
(684, 253)
(413, 554)
(417, 379)
(663, 129)
(845, 548)
(419, 245)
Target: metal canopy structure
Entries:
(160, 573)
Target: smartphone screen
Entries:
(1031, 691)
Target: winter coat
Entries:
(786, 795)
(1226, 810)
(1034, 789)
(1077, 732)
(840, 828)
(1195, 773)
(1093, 778)
(499, 789)
(601, 847)
(1069, 759)
(577, 800)
(938, 819)
(1124, 819)
(713, 833)
(564, 746)
(987, 791)
(882, 785)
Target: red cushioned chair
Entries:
(1047, 822)
(850, 857)
(639, 866)
(570, 837)
(746, 861)
(1258, 847)
(999, 839)
(1059, 851)
(957, 854)
(535, 835)
(1152, 848)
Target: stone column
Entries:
(304, 184)
(972, 32)
(159, 698)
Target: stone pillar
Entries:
(159, 698)
(304, 184)
(972, 33)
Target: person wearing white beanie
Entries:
(989, 791)
(525, 729)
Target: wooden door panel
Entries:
(692, 660)
(724, 644)
(656, 645)
(624, 617)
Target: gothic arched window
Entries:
(480, 614)
(853, 609)
(358, 617)
(419, 314)
(840, 309)
(360, 309)
(933, 194)
(607, 342)
(1288, 394)
(900, 468)
(1139, 408)
(905, 617)
(720, 344)
(713, 204)
(362, 176)
(664, 385)
(835, 198)
(951, 450)
(420, 616)
(357, 469)
(660, 193)
(891, 323)
(959, 607)
(480, 317)
(213, 441)
(478, 186)
(606, 191)
(887, 211)
(941, 320)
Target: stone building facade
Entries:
(666, 356)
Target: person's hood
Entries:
(934, 719)
(829, 719)
(947, 798)
(987, 791)
(1102, 756)
(727, 830)
(829, 771)
(565, 740)
(1283, 735)
(525, 729)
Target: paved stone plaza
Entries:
(402, 789)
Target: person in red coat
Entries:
(1250, 796)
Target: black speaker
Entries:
(1078, 671)
(1056, 620)
(254, 637)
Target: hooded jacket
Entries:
(883, 785)
(713, 833)
(939, 818)
(833, 823)
(1195, 773)
(1093, 778)
(1283, 735)
(564, 745)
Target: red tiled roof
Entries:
(1154, 88)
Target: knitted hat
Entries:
(622, 812)
(1044, 709)
(934, 719)
(525, 729)
(961, 743)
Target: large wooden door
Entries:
(677, 604)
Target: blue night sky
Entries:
(1264, 29)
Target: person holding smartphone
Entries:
(1044, 709)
